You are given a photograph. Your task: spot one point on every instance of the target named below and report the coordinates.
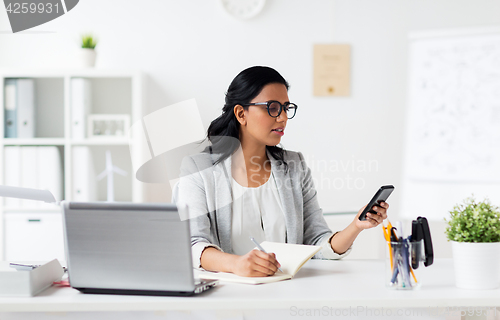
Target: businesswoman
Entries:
(245, 185)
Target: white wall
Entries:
(193, 49)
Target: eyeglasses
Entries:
(274, 108)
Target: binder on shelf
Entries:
(10, 114)
(84, 177)
(25, 108)
(81, 99)
(29, 176)
(12, 172)
(49, 170)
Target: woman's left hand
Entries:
(372, 220)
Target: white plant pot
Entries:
(477, 265)
(86, 58)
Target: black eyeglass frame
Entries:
(268, 104)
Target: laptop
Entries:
(129, 248)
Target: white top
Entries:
(257, 213)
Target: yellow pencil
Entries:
(388, 240)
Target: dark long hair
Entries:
(224, 132)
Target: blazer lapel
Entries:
(223, 203)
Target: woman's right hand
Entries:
(256, 264)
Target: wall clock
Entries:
(243, 9)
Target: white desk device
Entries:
(129, 248)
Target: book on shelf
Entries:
(10, 114)
(49, 172)
(37, 167)
(29, 175)
(19, 110)
(25, 108)
(81, 100)
(12, 172)
(84, 176)
(291, 257)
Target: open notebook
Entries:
(291, 257)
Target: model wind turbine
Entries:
(108, 172)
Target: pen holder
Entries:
(402, 264)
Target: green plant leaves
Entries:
(88, 41)
(474, 221)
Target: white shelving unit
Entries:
(113, 92)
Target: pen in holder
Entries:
(401, 258)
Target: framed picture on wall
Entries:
(108, 125)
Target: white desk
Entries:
(319, 284)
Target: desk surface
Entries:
(320, 283)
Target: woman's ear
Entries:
(239, 112)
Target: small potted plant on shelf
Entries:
(87, 51)
(474, 231)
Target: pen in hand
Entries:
(261, 249)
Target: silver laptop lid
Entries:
(127, 246)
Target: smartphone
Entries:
(382, 194)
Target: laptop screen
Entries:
(127, 246)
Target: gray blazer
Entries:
(206, 189)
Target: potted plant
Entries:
(87, 51)
(474, 230)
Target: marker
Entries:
(261, 249)
(399, 229)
